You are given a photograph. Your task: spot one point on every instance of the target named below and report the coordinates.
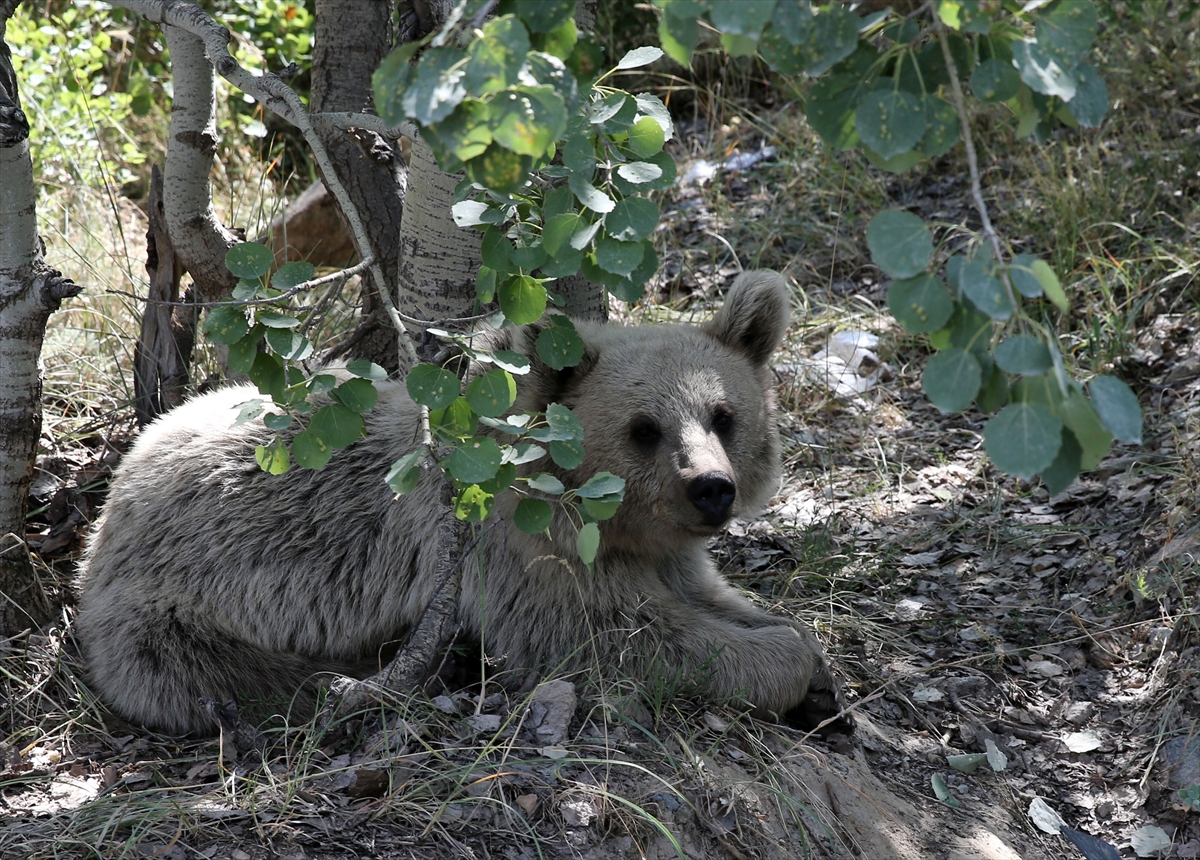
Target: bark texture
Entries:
(29, 292)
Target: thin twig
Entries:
(960, 106)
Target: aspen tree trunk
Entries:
(29, 292)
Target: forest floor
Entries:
(1055, 640)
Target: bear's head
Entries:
(685, 414)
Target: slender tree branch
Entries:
(366, 121)
(964, 121)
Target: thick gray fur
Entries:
(206, 577)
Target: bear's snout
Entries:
(712, 494)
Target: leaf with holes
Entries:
(477, 459)
(474, 504)
(432, 386)
(558, 344)
(274, 458)
(1023, 439)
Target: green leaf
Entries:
(390, 82)
(600, 485)
(639, 57)
(533, 516)
(1041, 72)
(522, 299)
(1043, 390)
(311, 450)
(942, 791)
(586, 60)
(248, 290)
(542, 16)
(289, 345)
(985, 290)
(952, 379)
(496, 250)
(561, 425)
(901, 163)
(995, 81)
(558, 230)
(249, 410)
(600, 509)
(405, 473)
(620, 258)
(652, 106)
(1023, 355)
(274, 319)
(243, 351)
(1066, 466)
(492, 393)
(640, 172)
(513, 362)
(456, 420)
(525, 452)
(1093, 437)
(292, 274)
(337, 425)
(500, 169)
(1091, 97)
(432, 386)
(505, 475)
(367, 370)
(587, 543)
(1118, 408)
(321, 383)
(900, 243)
(226, 323)
(546, 483)
(358, 395)
(741, 17)
(276, 421)
(920, 304)
(463, 135)
(567, 453)
(474, 504)
(274, 458)
(890, 122)
(558, 344)
(437, 88)
(1021, 276)
(589, 195)
(476, 459)
(632, 219)
(646, 137)
(942, 132)
(993, 395)
(267, 373)
(529, 257)
(1067, 31)
(1023, 439)
(678, 36)
(249, 260)
(1050, 284)
(830, 108)
(528, 120)
(970, 330)
(560, 41)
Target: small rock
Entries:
(554, 702)
(1182, 754)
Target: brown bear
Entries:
(206, 577)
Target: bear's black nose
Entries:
(712, 494)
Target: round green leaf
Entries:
(952, 379)
(275, 319)
(292, 274)
(639, 57)
(533, 516)
(529, 257)
(1091, 97)
(226, 323)
(358, 395)
(500, 169)
(995, 81)
(1066, 31)
(589, 195)
(474, 504)
(457, 419)
(561, 425)
(277, 421)
(567, 453)
(1023, 355)
(496, 251)
(1023, 439)
(527, 120)
(900, 243)
(920, 304)
(337, 425)
(522, 299)
(632, 219)
(367, 370)
(289, 345)
(558, 344)
(311, 450)
(943, 131)
(890, 122)
(249, 260)
(1066, 466)
(546, 483)
(993, 395)
(600, 485)
(620, 258)
(830, 107)
(243, 352)
(432, 386)
(588, 543)
(491, 393)
(1118, 408)
(640, 172)
(476, 459)
(558, 230)
(646, 137)
(985, 290)
(600, 509)
(273, 459)
(405, 473)
(1021, 276)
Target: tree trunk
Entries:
(29, 292)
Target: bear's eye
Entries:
(645, 432)
(722, 421)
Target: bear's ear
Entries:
(755, 315)
(543, 384)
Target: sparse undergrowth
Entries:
(961, 607)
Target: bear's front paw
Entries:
(822, 702)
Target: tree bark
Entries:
(352, 37)
(29, 292)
